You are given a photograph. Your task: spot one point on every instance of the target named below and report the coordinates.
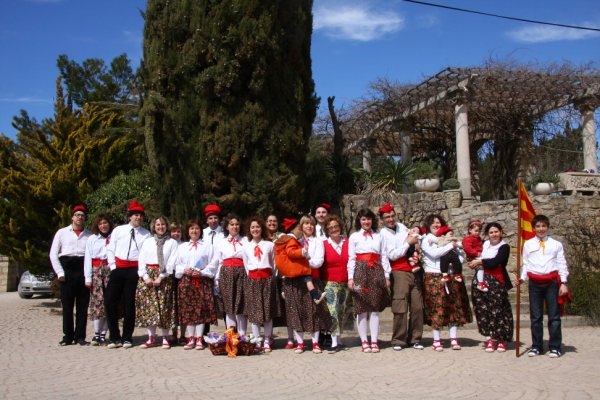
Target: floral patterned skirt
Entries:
(337, 294)
(154, 305)
(281, 319)
(442, 308)
(196, 301)
(233, 285)
(262, 300)
(374, 295)
(492, 310)
(99, 281)
(303, 315)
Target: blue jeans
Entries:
(538, 293)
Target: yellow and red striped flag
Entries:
(526, 214)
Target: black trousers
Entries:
(74, 294)
(122, 284)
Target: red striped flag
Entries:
(526, 214)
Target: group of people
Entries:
(302, 278)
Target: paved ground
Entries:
(32, 365)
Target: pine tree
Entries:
(51, 166)
(228, 102)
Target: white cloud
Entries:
(541, 34)
(24, 99)
(356, 22)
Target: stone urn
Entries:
(543, 188)
(453, 198)
(427, 185)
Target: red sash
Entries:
(401, 264)
(370, 258)
(98, 262)
(152, 266)
(233, 262)
(262, 273)
(545, 278)
(125, 263)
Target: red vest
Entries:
(335, 267)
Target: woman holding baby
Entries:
(445, 300)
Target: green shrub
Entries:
(584, 284)
(451, 184)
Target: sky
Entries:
(354, 43)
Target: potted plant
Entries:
(426, 176)
(543, 183)
(452, 193)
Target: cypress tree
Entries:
(228, 102)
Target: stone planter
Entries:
(453, 198)
(543, 188)
(427, 185)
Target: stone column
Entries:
(588, 135)
(366, 146)
(404, 128)
(463, 156)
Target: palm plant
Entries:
(389, 175)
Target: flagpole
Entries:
(519, 246)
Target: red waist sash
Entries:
(544, 278)
(125, 263)
(98, 262)
(370, 258)
(233, 262)
(262, 273)
(400, 264)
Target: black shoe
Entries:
(65, 342)
(82, 342)
(96, 340)
(554, 353)
(534, 351)
(333, 349)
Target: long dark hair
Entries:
(366, 212)
(264, 233)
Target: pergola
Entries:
(464, 107)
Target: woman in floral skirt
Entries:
(154, 294)
(96, 272)
(261, 298)
(368, 277)
(196, 300)
(446, 302)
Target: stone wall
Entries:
(574, 219)
(8, 275)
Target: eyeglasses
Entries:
(333, 227)
(79, 215)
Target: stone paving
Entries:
(34, 366)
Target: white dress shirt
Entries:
(195, 257)
(123, 246)
(149, 255)
(228, 247)
(542, 260)
(67, 243)
(95, 248)
(395, 241)
(255, 259)
(432, 253)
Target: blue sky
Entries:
(354, 42)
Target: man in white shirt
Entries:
(213, 232)
(122, 254)
(407, 296)
(67, 255)
(545, 267)
(321, 213)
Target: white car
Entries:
(30, 284)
